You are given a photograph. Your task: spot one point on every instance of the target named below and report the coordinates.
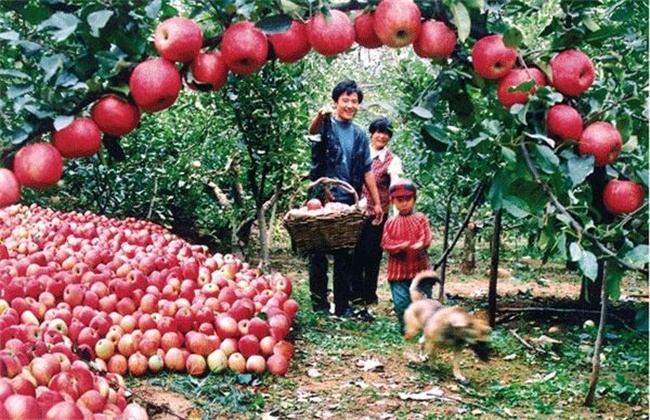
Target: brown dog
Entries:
(445, 327)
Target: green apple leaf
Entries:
(98, 20)
(575, 250)
(274, 24)
(15, 91)
(435, 137)
(589, 265)
(462, 20)
(580, 167)
(62, 121)
(422, 112)
(512, 37)
(638, 255)
(63, 24)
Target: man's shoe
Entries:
(346, 314)
(365, 315)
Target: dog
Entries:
(448, 327)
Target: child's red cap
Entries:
(402, 188)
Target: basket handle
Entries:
(342, 184)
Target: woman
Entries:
(387, 168)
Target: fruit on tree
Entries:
(80, 138)
(436, 40)
(244, 47)
(565, 122)
(622, 197)
(291, 45)
(514, 78)
(330, 35)
(397, 22)
(9, 187)
(603, 141)
(155, 84)
(572, 72)
(491, 58)
(115, 116)
(364, 30)
(178, 39)
(38, 165)
(209, 69)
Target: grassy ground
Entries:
(351, 369)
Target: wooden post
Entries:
(494, 268)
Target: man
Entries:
(341, 152)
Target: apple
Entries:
(284, 348)
(92, 400)
(622, 197)
(199, 343)
(178, 39)
(491, 58)
(155, 363)
(436, 41)
(364, 31)
(175, 359)
(572, 72)
(217, 361)
(196, 364)
(277, 365)
(397, 22)
(115, 116)
(9, 191)
(330, 35)
(237, 362)
(290, 307)
(137, 363)
(155, 84)
(603, 141)
(80, 138)
(21, 407)
(564, 122)
(210, 70)
(38, 165)
(134, 411)
(515, 78)
(314, 204)
(248, 345)
(291, 45)
(256, 364)
(226, 327)
(244, 48)
(64, 410)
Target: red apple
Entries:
(209, 69)
(237, 362)
(572, 72)
(38, 165)
(291, 45)
(155, 84)
(115, 116)
(622, 197)
(196, 364)
(364, 31)
(9, 189)
(217, 361)
(314, 204)
(137, 364)
(491, 59)
(63, 410)
(603, 141)
(226, 327)
(21, 407)
(565, 122)
(277, 365)
(515, 78)
(80, 138)
(436, 40)
(244, 48)
(397, 22)
(175, 359)
(178, 39)
(330, 35)
(248, 345)
(256, 364)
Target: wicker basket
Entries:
(315, 232)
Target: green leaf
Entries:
(34, 14)
(274, 24)
(509, 154)
(475, 4)
(51, 65)
(605, 33)
(98, 20)
(289, 6)
(575, 250)
(513, 37)
(589, 265)
(62, 121)
(549, 162)
(15, 91)
(591, 24)
(462, 20)
(638, 255)
(435, 137)
(516, 206)
(580, 167)
(14, 73)
(64, 25)
(615, 274)
(497, 188)
(422, 112)
(522, 87)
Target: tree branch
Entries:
(572, 221)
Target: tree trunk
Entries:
(595, 361)
(445, 244)
(494, 268)
(468, 264)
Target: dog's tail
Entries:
(414, 291)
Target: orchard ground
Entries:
(351, 369)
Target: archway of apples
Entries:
(116, 290)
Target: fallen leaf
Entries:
(512, 356)
(429, 394)
(370, 364)
(313, 373)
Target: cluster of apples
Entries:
(315, 205)
(572, 73)
(128, 297)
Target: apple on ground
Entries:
(155, 84)
(217, 361)
(291, 45)
(564, 122)
(397, 22)
(491, 58)
(277, 365)
(196, 364)
(244, 48)
(436, 40)
(622, 197)
(603, 141)
(255, 364)
(330, 35)
(38, 165)
(572, 72)
(178, 39)
(237, 362)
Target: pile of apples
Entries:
(86, 299)
(314, 205)
(572, 73)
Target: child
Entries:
(406, 238)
